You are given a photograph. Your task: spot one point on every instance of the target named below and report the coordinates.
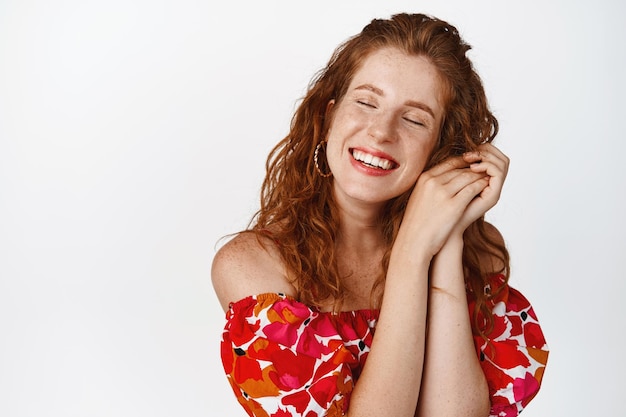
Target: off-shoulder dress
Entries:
(286, 359)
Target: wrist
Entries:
(415, 246)
(446, 276)
(410, 255)
(454, 242)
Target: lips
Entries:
(373, 161)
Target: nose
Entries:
(382, 127)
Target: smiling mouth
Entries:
(372, 161)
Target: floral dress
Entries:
(285, 359)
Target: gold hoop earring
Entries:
(315, 159)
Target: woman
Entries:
(372, 220)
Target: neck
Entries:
(359, 230)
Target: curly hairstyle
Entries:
(297, 205)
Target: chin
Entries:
(367, 196)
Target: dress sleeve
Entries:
(283, 359)
(514, 353)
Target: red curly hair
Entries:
(297, 204)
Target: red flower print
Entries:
(299, 399)
(533, 335)
(291, 371)
(281, 413)
(226, 350)
(524, 389)
(284, 359)
(242, 331)
(283, 333)
(324, 390)
(247, 369)
(508, 356)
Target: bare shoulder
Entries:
(248, 265)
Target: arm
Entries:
(394, 373)
(390, 382)
(454, 383)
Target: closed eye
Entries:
(366, 104)
(415, 122)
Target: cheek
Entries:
(339, 130)
(333, 150)
(428, 147)
(421, 156)
(345, 121)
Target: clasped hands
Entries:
(453, 194)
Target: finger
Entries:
(451, 184)
(447, 165)
(457, 180)
(472, 190)
(488, 153)
(493, 168)
(451, 181)
(493, 164)
(483, 201)
(491, 193)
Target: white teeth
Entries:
(372, 160)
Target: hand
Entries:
(441, 198)
(491, 161)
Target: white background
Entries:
(133, 135)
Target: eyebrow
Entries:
(411, 103)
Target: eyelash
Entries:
(367, 104)
(415, 122)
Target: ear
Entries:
(329, 107)
(329, 113)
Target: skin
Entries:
(393, 109)
(387, 114)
